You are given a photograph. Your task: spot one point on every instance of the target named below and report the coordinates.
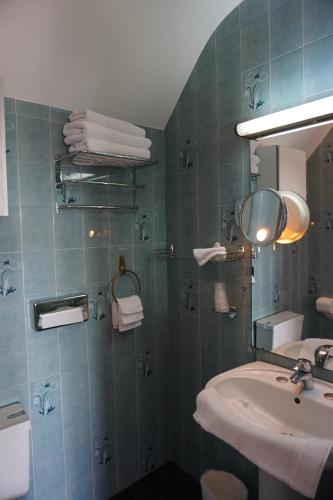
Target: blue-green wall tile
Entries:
(39, 273)
(209, 231)
(59, 115)
(10, 229)
(50, 477)
(32, 109)
(11, 136)
(96, 230)
(35, 184)
(229, 25)
(9, 105)
(13, 365)
(73, 347)
(208, 186)
(207, 106)
(69, 270)
(229, 97)
(318, 19)
(318, 58)
(68, 230)
(286, 36)
(287, 80)
(228, 56)
(250, 10)
(254, 43)
(12, 328)
(256, 91)
(12, 182)
(37, 229)
(43, 355)
(208, 147)
(33, 139)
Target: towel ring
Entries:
(123, 270)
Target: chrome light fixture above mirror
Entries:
(268, 216)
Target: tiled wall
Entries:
(98, 399)
(265, 56)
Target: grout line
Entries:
(24, 296)
(58, 333)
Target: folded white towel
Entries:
(297, 461)
(130, 305)
(108, 121)
(308, 350)
(79, 130)
(127, 313)
(203, 255)
(98, 146)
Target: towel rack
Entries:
(233, 254)
(123, 270)
(71, 170)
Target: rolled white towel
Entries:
(108, 121)
(98, 146)
(203, 255)
(80, 130)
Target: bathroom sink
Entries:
(262, 394)
(290, 349)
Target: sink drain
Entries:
(287, 434)
(282, 380)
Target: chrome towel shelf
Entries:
(97, 169)
(233, 254)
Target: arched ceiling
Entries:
(126, 58)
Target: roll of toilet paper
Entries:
(221, 302)
(324, 305)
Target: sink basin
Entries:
(262, 394)
(287, 434)
(303, 349)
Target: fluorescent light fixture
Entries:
(311, 114)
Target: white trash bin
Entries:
(220, 485)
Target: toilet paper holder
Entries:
(59, 311)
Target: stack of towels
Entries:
(90, 131)
(127, 313)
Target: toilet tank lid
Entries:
(13, 414)
(277, 319)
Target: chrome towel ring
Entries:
(123, 270)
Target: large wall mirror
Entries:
(288, 280)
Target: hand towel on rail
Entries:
(80, 130)
(98, 146)
(203, 255)
(127, 313)
(108, 121)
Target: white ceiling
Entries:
(126, 58)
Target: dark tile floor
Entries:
(168, 482)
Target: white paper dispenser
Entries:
(60, 311)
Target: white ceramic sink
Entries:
(262, 393)
(303, 349)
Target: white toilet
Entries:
(14, 451)
(274, 331)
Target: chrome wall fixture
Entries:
(94, 169)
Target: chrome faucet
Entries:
(322, 354)
(303, 373)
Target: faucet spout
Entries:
(323, 354)
(303, 373)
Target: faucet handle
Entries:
(322, 354)
(303, 365)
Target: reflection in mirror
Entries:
(263, 217)
(288, 279)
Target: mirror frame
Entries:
(279, 230)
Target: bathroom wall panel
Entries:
(81, 384)
(255, 67)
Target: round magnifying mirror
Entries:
(263, 217)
